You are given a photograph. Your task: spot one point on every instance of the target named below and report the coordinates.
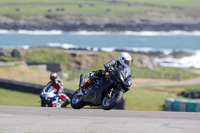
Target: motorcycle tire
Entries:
(78, 105)
(64, 105)
(43, 104)
(117, 100)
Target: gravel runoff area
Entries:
(21, 119)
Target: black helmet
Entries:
(53, 76)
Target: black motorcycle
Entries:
(106, 91)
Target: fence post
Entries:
(176, 105)
(191, 106)
(197, 107)
(180, 75)
(182, 105)
(169, 104)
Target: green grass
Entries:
(139, 72)
(153, 98)
(47, 55)
(137, 98)
(176, 73)
(15, 98)
(71, 86)
(118, 8)
(9, 59)
(195, 87)
(145, 100)
(163, 73)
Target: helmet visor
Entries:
(53, 78)
(127, 62)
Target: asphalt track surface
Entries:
(21, 119)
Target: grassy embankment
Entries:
(66, 59)
(118, 8)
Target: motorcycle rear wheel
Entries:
(110, 102)
(77, 101)
(44, 104)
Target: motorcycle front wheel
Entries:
(111, 101)
(77, 101)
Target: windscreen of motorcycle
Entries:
(49, 88)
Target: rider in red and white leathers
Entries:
(58, 85)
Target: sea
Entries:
(144, 41)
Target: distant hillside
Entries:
(105, 15)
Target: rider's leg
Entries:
(97, 73)
(66, 100)
(84, 86)
(87, 84)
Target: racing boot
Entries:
(83, 87)
(66, 100)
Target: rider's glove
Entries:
(106, 65)
(111, 69)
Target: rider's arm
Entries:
(47, 86)
(110, 65)
(60, 87)
(126, 80)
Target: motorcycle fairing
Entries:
(95, 95)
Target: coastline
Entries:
(170, 58)
(110, 27)
(177, 59)
(85, 32)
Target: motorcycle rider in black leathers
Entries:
(122, 64)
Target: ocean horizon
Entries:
(176, 40)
